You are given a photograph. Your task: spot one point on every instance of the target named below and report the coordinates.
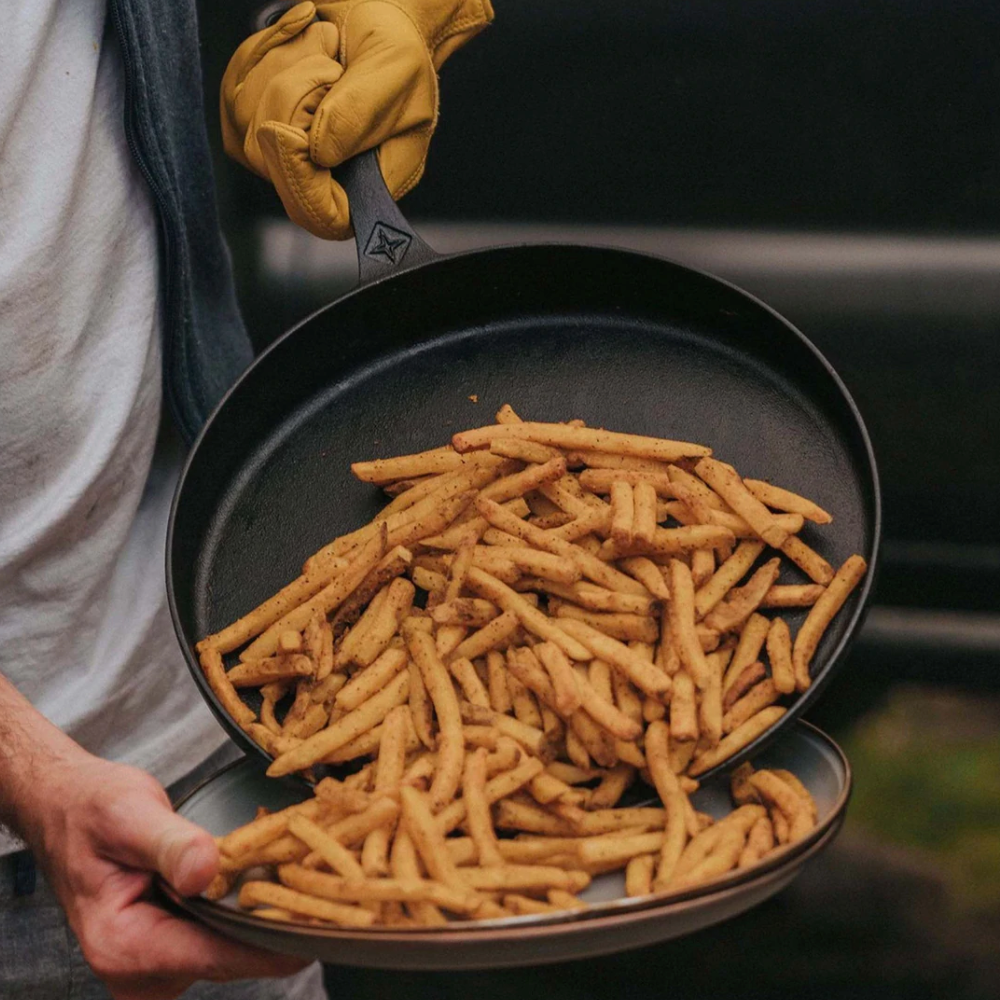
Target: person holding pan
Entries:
(116, 346)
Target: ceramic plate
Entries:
(613, 922)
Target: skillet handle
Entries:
(385, 240)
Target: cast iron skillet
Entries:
(623, 340)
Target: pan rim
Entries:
(853, 624)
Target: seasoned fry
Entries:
(809, 561)
(562, 436)
(726, 577)
(733, 742)
(255, 673)
(779, 652)
(222, 686)
(725, 480)
(472, 612)
(347, 728)
(682, 623)
(450, 744)
(821, 614)
(673, 799)
(490, 636)
(567, 647)
(751, 674)
(779, 499)
(793, 595)
(530, 617)
(364, 684)
(743, 601)
(477, 810)
(268, 894)
(643, 674)
(758, 697)
(325, 601)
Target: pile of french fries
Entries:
(543, 614)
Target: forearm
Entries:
(31, 747)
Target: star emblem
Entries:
(388, 243)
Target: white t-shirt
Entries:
(84, 488)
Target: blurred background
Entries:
(840, 159)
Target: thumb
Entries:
(311, 197)
(147, 834)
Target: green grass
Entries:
(926, 779)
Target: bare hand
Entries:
(100, 831)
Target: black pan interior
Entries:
(625, 341)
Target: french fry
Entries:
(385, 470)
(477, 810)
(758, 697)
(622, 513)
(796, 785)
(673, 799)
(528, 479)
(254, 673)
(820, 616)
(472, 687)
(639, 875)
(726, 482)
(752, 673)
(751, 642)
(792, 595)
(781, 795)
(489, 637)
(268, 894)
(530, 617)
(779, 499)
(743, 601)
(393, 564)
(643, 674)
(382, 890)
(726, 577)
(808, 560)
(391, 764)
(211, 664)
(743, 735)
(347, 728)
(671, 542)
(450, 744)
(618, 625)
(523, 878)
(760, 840)
(566, 697)
(779, 653)
(325, 601)
(682, 623)
(472, 612)
(523, 451)
(366, 683)
(600, 480)
(524, 705)
(274, 608)
(562, 436)
(560, 569)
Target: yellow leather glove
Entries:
(330, 80)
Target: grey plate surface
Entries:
(612, 923)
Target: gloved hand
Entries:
(330, 80)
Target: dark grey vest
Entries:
(205, 345)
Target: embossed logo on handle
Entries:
(387, 244)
